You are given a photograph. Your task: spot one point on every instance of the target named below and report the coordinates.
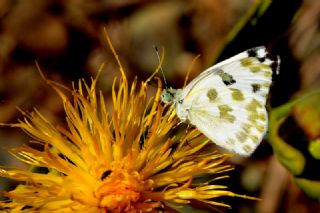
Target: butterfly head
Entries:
(168, 95)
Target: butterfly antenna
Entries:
(158, 56)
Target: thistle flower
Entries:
(124, 161)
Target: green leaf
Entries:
(310, 187)
(307, 113)
(314, 148)
(290, 157)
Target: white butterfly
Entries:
(226, 102)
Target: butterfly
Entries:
(226, 102)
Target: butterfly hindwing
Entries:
(227, 101)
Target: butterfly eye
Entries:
(180, 101)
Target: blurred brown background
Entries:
(66, 38)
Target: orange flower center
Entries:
(121, 190)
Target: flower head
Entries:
(124, 161)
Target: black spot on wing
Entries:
(255, 87)
(226, 78)
(229, 82)
(261, 59)
(253, 52)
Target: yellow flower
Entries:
(128, 160)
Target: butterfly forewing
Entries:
(227, 101)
